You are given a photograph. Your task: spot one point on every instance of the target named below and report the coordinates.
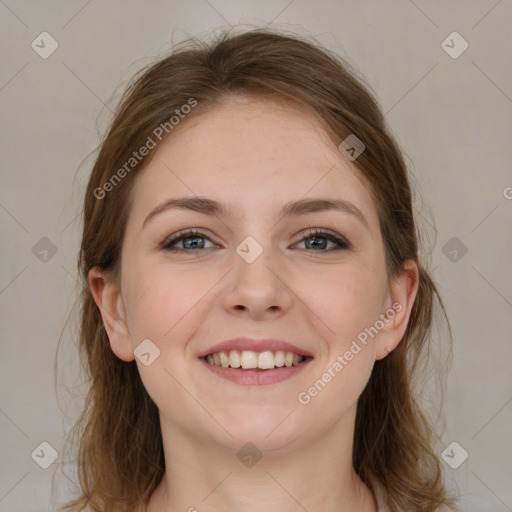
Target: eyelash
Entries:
(311, 233)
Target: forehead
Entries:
(250, 154)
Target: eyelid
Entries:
(181, 234)
(341, 241)
(324, 233)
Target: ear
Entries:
(402, 294)
(108, 298)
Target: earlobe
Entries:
(402, 295)
(108, 298)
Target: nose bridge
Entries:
(257, 244)
(256, 283)
(256, 259)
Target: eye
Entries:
(190, 237)
(191, 240)
(317, 235)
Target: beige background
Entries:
(451, 116)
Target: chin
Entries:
(268, 429)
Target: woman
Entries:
(254, 303)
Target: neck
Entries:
(206, 477)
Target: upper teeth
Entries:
(248, 359)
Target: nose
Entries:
(258, 289)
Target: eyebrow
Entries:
(299, 207)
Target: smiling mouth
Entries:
(249, 360)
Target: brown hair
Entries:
(120, 459)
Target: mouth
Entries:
(250, 368)
(256, 361)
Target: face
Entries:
(254, 270)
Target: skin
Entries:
(254, 155)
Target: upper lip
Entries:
(255, 345)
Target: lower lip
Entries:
(255, 377)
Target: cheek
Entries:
(346, 301)
(334, 393)
(167, 308)
(351, 306)
(162, 300)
